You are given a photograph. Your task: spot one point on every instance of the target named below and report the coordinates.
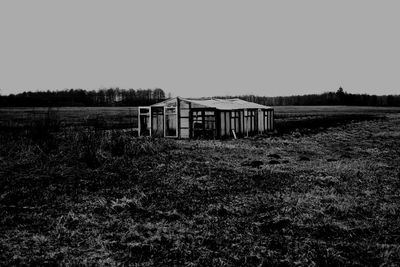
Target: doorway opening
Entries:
(144, 121)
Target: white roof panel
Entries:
(228, 104)
(221, 104)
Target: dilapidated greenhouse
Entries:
(205, 118)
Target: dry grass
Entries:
(100, 117)
(109, 198)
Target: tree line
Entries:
(80, 97)
(340, 97)
(144, 97)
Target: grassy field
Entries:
(288, 118)
(323, 110)
(313, 198)
(109, 117)
(308, 119)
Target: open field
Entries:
(110, 117)
(307, 119)
(330, 197)
(288, 118)
(321, 110)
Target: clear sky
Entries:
(201, 48)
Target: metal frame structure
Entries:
(244, 118)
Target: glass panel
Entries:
(235, 117)
(172, 104)
(170, 121)
(267, 124)
(203, 124)
(157, 116)
(184, 113)
(197, 123)
(144, 121)
(209, 122)
(222, 123)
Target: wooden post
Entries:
(217, 118)
(234, 134)
(190, 121)
(178, 117)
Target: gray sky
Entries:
(201, 48)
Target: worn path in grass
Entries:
(318, 199)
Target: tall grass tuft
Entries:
(43, 128)
(124, 143)
(94, 146)
(88, 144)
(148, 146)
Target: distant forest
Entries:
(144, 97)
(80, 97)
(340, 97)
